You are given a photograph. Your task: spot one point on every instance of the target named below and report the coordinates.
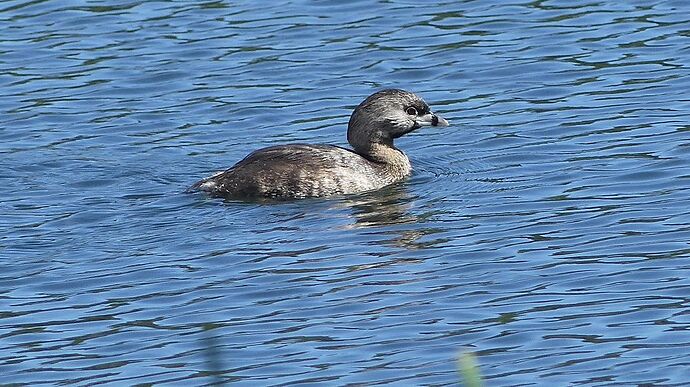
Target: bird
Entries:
(299, 171)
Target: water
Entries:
(546, 230)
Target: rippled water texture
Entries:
(546, 230)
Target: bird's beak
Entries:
(431, 119)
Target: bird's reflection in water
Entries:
(387, 206)
(391, 206)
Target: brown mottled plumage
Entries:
(297, 171)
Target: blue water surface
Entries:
(546, 231)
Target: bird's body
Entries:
(296, 171)
(302, 171)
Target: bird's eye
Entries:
(411, 111)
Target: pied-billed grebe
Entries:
(296, 171)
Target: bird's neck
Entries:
(390, 158)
